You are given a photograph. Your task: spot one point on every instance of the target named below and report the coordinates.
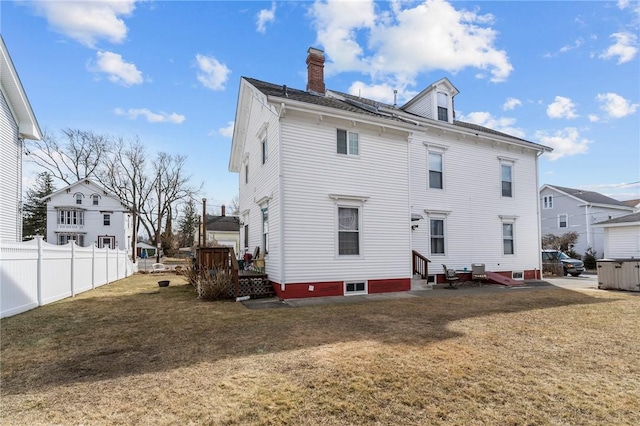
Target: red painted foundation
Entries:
(532, 274)
(336, 288)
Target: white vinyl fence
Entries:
(35, 273)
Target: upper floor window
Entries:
(443, 106)
(547, 202)
(506, 172)
(436, 236)
(79, 198)
(435, 170)
(348, 231)
(95, 199)
(246, 173)
(347, 142)
(106, 219)
(563, 220)
(70, 217)
(264, 150)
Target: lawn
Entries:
(133, 353)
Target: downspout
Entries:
(586, 220)
(409, 202)
(538, 213)
(281, 199)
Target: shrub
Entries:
(211, 285)
(589, 259)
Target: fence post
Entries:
(106, 251)
(39, 268)
(117, 264)
(93, 266)
(73, 263)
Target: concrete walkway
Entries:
(440, 290)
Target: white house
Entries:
(564, 210)
(17, 122)
(621, 237)
(85, 212)
(224, 230)
(341, 193)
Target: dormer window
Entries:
(79, 199)
(443, 106)
(96, 199)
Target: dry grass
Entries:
(133, 353)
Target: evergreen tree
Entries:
(34, 211)
(188, 224)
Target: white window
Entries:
(508, 238)
(265, 229)
(437, 236)
(65, 238)
(348, 231)
(435, 170)
(347, 142)
(547, 202)
(443, 106)
(70, 217)
(506, 173)
(246, 173)
(355, 287)
(79, 198)
(95, 199)
(265, 150)
(106, 219)
(563, 220)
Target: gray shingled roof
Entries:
(632, 203)
(590, 196)
(223, 223)
(282, 91)
(630, 218)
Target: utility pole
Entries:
(158, 244)
(204, 222)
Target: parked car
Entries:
(573, 267)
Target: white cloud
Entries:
(593, 118)
(213, 74)
(565, 143)
(152, 117)
(569, 47)
(401, 41)
(502, 124)
(265, 16)
(87, 21)
(227, 132)
(615, 105)
(511, 103)
(117, 70)
(624, 48)
(562, 108)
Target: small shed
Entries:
(148, 250)
(621, 236)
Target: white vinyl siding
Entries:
(10, 175)
(622, 242)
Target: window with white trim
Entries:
(547, 202)
(246, 173)
(508, 237)
(349, 230)
(106, 219)
(79, 198)
(437, 235)
(265, 228)
(347, 142)
(95, 199)
(506, 174)
(563, 220)
(443, 106)
(355, 287)
(70, 217)
(436, 175)
(265, 149)
(65, 238)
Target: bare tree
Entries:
(234, 206)
(78, 157)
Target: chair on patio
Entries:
(157, 267)
(478, 274)
(451, 277)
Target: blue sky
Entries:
(563, 74)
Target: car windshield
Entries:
(562, 256)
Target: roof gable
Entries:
(443, 85)
(84, 183)
(588, 197)
(28, 127)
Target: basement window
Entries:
(355, 287)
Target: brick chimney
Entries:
(223, 209)
(315, 70)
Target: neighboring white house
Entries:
(621, 237)
(337, 190)
(85, 212)
(564, 210)
(224, 230)
(17, 122)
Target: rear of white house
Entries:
(337, 190)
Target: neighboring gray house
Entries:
(635, 203)
(621, 236)
(564, 210)
(17, 122)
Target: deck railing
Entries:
(420, 264)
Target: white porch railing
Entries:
(35, 273)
